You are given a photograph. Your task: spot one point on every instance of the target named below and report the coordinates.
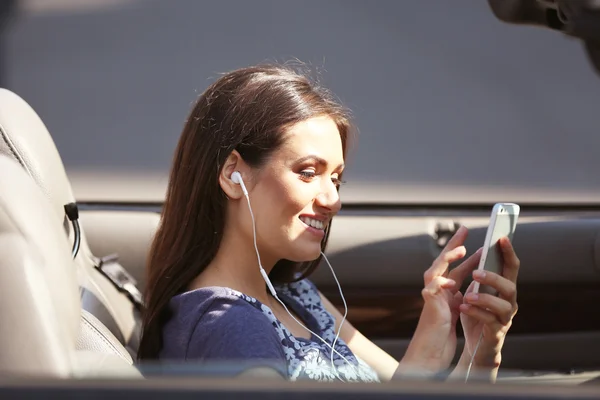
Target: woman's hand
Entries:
(434, 342)
(490, 314)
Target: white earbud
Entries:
(236, 178)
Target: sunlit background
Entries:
(452, 105)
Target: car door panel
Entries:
(567, 352)
(379, 256)
(394, 251)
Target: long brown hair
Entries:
(246, 110)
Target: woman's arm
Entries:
(434, 343)
(386, 366)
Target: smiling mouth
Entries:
(314, 223)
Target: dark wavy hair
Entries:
(247, 110)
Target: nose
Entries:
(329, 198)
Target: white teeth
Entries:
(313, 222)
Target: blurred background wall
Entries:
(452, 105)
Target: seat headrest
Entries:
(38, 274)
(24, 137)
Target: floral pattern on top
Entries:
(311, 358)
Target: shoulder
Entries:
(233, 314)
(189, 308)
(225, 324)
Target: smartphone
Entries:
(503, 222)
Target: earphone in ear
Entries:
(236, 178)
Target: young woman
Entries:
(270, 131)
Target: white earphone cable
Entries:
(241, 182)
(473, 356)
(343, 300)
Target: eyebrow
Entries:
(319, 160)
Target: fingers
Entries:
(495, 313)
(453, 251)
(458, 238)
(436, 285)
(502, 310)
(511, 261)
(459, 273)
(485, 317)
(506, 288)
(440, 265)
(471, 287)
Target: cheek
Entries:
(285, 200)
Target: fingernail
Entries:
(479, 273)
(464, 307)
(472, 296)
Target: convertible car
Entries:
(74, 241)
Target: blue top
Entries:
(219, 324)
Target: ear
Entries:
(234, 162)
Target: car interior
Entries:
(72, 273)
(35, 183)
(81, 318)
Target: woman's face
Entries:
(295, 193)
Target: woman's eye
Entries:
(307, 174)
(337, 182)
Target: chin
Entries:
(308, 253)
